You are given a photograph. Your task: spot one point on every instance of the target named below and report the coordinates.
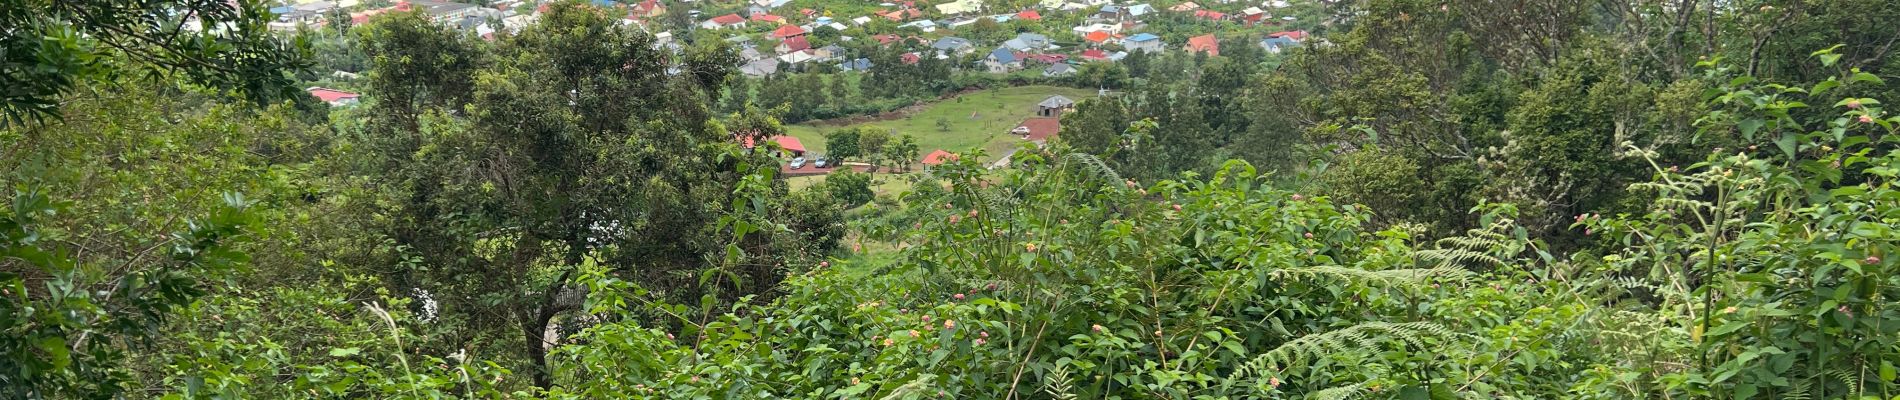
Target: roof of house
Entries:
(1003, 55)
(1059, 69)
(1031, 15)
(1140, 9)
(1032, 37)
(1295, 35)
(939, 157)
(910, 58)
(760, 67)
(1143, 37)
(1039, 129)
(1047, 58)
(330, 95)
(769, 18)
(1188, 6)
(1111, 8)
(1095, 54)
(728, 19)
(1205, 43)
(786, 142)
(788, 31)
(795, 43)
(1212, 15)
(1056, 101)
(950, 42)
(1098, 36)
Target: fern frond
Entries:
(1094, 165)
(916, 388)
(1059, 386)
(1339, 393)
(1458, 256)
(1358, 337)
(1410, 276)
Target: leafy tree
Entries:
(872, 144)
(849, 188)
(843, 144)
(52, 48)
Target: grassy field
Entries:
(977, 120)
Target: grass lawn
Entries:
(882, 183)
(979, 119)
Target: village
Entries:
(1049, 39)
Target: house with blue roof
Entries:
(952, 46)
(1144, 42)
(1003, 60)
(1278, 44)
(1027, 41)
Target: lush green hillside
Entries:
(980, 119)
(1547, 199)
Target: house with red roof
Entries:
(1100, 38)
(768, 18)
(1298, 36)
(1209, 15)
(1045, 58)
(728, 21)
(788, 143)
(938, 157)
(910, 58)
(1029, 15)
(1204, 43)
(795, 44)
(1038, 129)
(333, 96)
(1094, 55)
(648, 9)
(787, 31)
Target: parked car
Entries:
(822, 162)
(798, 162)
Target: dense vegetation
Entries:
(1566, 200)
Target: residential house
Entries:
(1045, 58)
(1144, 42)
(795, 44)
(1209, 15)
(1058, 70)
(786, 32)
(1002, 18)
(1094, 55)
(1137, 11)
(1099, 38)
(910, 58)
(861, 20)
(1003, 60)
(837, 26)
(1038, 129)
(861, 64)
(1252, 15)
(786, 143)
(829, 51)
(1028, 41)
(959, 7)
(1185, 7)
(442, 12)
(1297, 36)
(728, 21)
(334, 97)
(1029, 15)
(760, 67)
(959, 22)
(1204, 43)
(1084, 30)
(768, 19)
(1110, 12)
(1276, 44)
(798, 57)
(1054, 105)
(648, 9)
(938, 157)
(923, 25)
(952, 45)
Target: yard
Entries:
(979, 119)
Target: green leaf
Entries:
(1749, 127)
(1829, 59)
(345, 352)
(1786, 143)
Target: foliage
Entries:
(50, 49)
